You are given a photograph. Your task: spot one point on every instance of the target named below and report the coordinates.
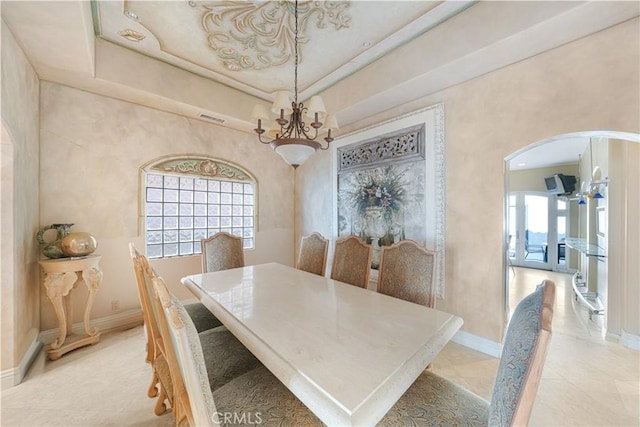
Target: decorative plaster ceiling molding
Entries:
(261, 35)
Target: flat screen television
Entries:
(561, 185)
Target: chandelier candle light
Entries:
(293, 139)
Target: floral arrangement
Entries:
(380, 187)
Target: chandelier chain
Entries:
(295, 49)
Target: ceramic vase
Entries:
(53, 249)
(78, 244)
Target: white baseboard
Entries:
(477, 343)
(611, 337)
(126, 319)
(630, 340)
(12, 377)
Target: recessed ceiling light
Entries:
(130, 15)
(366, 44)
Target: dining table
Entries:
(346, 352)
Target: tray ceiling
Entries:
(248, 45)
(364, 57)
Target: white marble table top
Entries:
(347, 353)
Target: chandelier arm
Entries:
(264, 142)
(305, 129)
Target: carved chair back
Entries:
(222, 251)
(313, 254)
(352, 261)
(408, 271)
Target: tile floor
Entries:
(586, 380)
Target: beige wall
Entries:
(623, 235)
(91, 150)
(589, 84)
(533, 179)
(19, 207)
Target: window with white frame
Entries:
(189, 199)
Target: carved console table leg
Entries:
(61, 276)
(92, 278)
(58, 285)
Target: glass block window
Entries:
(181, 210)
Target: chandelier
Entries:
(292, 137)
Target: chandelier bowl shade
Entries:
(295, 151)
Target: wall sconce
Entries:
(597, 188)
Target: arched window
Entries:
(189, 198)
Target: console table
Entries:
(580, 287)
(61, 276)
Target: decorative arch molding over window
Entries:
(211, 168)
(186, 198)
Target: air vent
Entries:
(213, 119)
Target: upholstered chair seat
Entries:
(260, 392)
(313, 254)
(224, 356)
(202, 318)
(435, 401)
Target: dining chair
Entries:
(313, 254)
(257, 396)
(160, 381)
(230, 360)
(222, 251)
(201, 316)
(352, 261)
(408, 271)
(434, 400)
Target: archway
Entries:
(618, 269)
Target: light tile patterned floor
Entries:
(586, 380)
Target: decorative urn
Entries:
(78, 243)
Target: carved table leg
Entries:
(92, 279)
(58, 285)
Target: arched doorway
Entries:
(616, 267)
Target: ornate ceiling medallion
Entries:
(258, 35)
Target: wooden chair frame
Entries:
(166, 313)
(160, 387)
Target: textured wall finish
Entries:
(589, 84)
(19, 215)
(92, 149)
